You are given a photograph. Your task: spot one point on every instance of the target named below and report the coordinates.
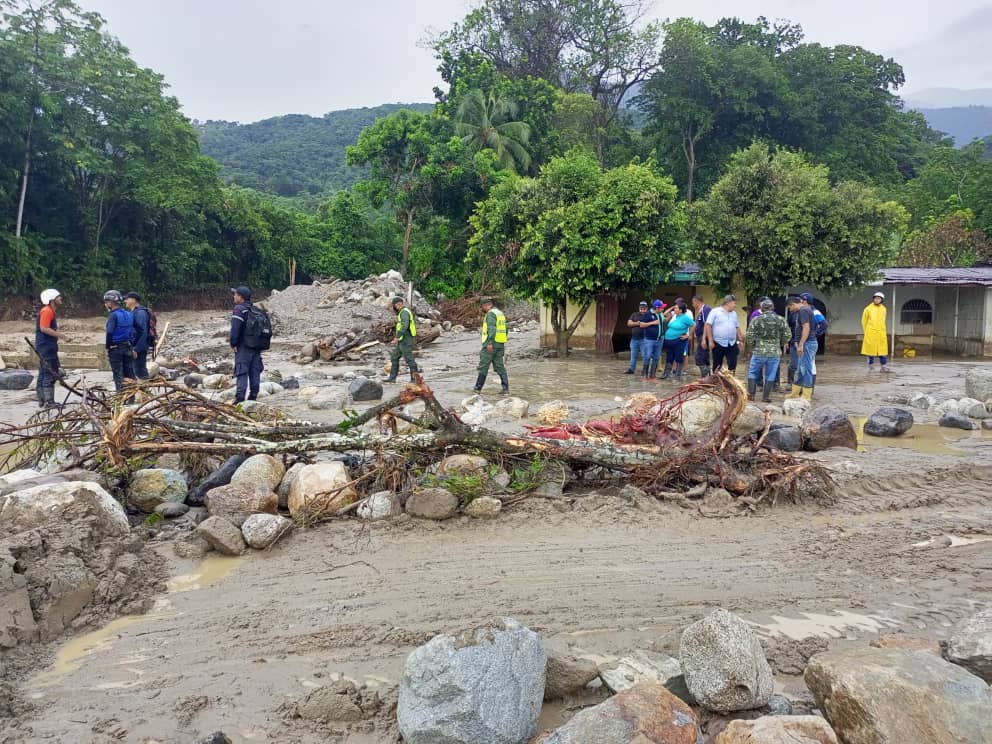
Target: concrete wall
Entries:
(584, 336)
(974, 334)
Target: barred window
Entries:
(916, 312)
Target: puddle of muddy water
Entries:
(74, 652)
(954, 541)
(834, 625)
(927, 438)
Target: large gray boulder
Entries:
(566, 674)
(646, 666)
(889, 421)
(432, 503)
(784, 437)
(699, 414)
(647, 713)
(975, 409)
(362, 388)
(970, 646)
(778, 730)
(828, 426)
(260, 470)
(724, 665)
(262, 530)
(15, 379)
(484, 687)
(978, 383)
(153, 486)
(893, 696)
(223, 536)
(68, 502)
(952, 420)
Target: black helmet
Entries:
(112, 295)
(396, 300)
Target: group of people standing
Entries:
(130, 336)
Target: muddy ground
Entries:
(236, 642)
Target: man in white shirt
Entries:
(723, 334)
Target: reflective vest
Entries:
(399, 322)
(500, 337)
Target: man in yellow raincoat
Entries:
(876, 343)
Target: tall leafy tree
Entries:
(575, 232)
(774, 220)
(489, 122)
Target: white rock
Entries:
(260, 470)
(261, 530)
(796, 408)
(305, 393)
(216, 382)
(154, 370)
(380, 505)
(18, 476)
(922, 400)
(510, 408)
(752, 419)
(699, 414)
(270, 388)
(320, 489)
(34, 507)
(484, 507)
(392, 275)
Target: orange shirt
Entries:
(46, 316)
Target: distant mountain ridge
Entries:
(296, 155)
(963, 123)
(937, 98)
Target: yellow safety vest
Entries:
(500, 337)
(399, 322)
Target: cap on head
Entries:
(113, 295)
(806, 297)
(396, 301)
(48, 295)
(642, 303)
(879, 294)
(243, 291)
(767, 304)
(794, 300)
(486, 301)
(728, 299)
(132, 296)
(658, 305)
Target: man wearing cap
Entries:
(46, 342)
(140, 341)
(702, 354)
(876, 342)
(247, 362)
(637, 323)
(405, 338)
(767, 335)
(654, 337)
(120, 327)
(493, 346)
(802, 347)
(723, 334)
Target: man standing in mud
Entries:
(493, 346)
(802, 347)
(46, 343)
(405, 338)
(247, 360)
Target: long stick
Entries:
(55, 375)
(161, 340)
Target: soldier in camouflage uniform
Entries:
(767, 336)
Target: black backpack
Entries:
(258, 330)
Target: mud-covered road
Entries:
(237, 642)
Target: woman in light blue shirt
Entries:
(679, 327)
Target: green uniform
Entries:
(493, 334)
(406, 335)
(767, 335)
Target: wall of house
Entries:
(584, 336)
(974, 335)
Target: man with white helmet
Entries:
(46, 341)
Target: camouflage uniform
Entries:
(767, 335)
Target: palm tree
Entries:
(487, 122)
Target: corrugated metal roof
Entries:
(977, 275)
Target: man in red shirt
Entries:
(46, 341)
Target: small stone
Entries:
(724, 665)
(784, 437)
(362, 389)
(171, 510)
(264, 471)
(290, 383)
(566, 674)
(888, 422)
(484, 507)
(973, 409)
(987, 424)
(338, 701)
(922, 400)
(956, 421)
(152, 486)
(463, 465)
(510, 409)
(193, 547)
(778, 730)
(380, 505)
(223, 536)
(217, 737)
(432, 503)
(647, 666)
(796, 408)
(970, 645)
(262, 530)
(216, 382)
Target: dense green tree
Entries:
(951, 241)
(950, 181)
(774, 220)
(489, 122)
(575, 232)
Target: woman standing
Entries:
(679, 329)
(876, 343)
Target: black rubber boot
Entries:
(504, 382)
(667, 373)
(752, 387)
(394, 370)
(46, 397)
(792, 376)
(766, 392)
(704, 371)
(479, 382)
(679, 373)
(653, 371)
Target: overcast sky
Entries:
(244, 60)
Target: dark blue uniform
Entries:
(48, 351)
(140, 340)
(247, 362)
(120, 325)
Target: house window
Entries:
(916, 312)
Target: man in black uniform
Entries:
(247, 362)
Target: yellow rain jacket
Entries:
(876, 343)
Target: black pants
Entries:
(248, 373)
(141, 365)
(121, 363)
(701, 356)
(48, 367)
(730, 353)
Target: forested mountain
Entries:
(292, 155)
(963, 123)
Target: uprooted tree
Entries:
(117, 433)
(576, 232)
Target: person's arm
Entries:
(864, 319)
(708, 332)
(784, 335)
(803, 337)
(45, 326)
(141, 331)
(111, 327)
(749, 336)
(631, 323)
(237, 328)
(740, 334)
(404, 330)
(490, 330)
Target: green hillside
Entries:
(295, 156)
(963, 123)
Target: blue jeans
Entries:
(636, 347)
(649, 347)
(882, 358)
(763, 368)
(804, 372)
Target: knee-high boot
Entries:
(752, 387)
(479, 382)
(766, 393)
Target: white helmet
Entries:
(48, 295)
